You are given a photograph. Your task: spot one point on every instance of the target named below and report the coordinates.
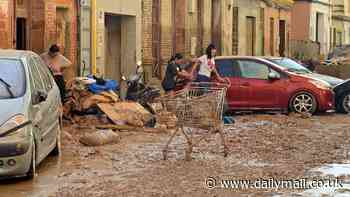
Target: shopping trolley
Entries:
(198, 106)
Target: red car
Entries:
(259, 84)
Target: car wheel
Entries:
(303, 102)
(344, 103)
(32, 168)
(57, 150)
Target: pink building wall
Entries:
(301, 14)
(6, 23)
(277, 15)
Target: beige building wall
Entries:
(227, 22)
(166, 30)
(250, 8)
(130, 15)
(323, 8)
(206, 23)
(340, 34)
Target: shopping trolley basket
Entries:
(198, 106)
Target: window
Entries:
(253, 69)
(12, 73)
(44, 73)
(227, 68)
(35, 77)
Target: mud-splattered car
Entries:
(30, 111)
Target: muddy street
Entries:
(260, 146)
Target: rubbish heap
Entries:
(123, 116)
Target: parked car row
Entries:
(273, 83)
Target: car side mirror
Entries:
(39, 96)
(273, 76)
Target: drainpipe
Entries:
(93, 37)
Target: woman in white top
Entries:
(207, 66)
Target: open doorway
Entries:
(216, 25)
(319, 27)
(282, 30)
(113, 46)
(21, 37)
(250, 35)
(62, 29)
(200, 28)
(272, 36)
(156, 39)
(179, 25)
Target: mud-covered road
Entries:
(261, 147)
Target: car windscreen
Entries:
(290, 65)
(12, 79)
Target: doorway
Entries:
(216, 25)
(272, 36)
(113, 47)
(200, 29)
(62, 30)
(250, 38)
(21, 34)
(156, 38)
(179, 23)
(319, 27)
(282, 34)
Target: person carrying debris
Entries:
(174, 73)
(57, 63)
(207, 66)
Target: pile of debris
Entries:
(339, 56)
(81, 100)
(123, 116)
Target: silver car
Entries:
(30, 113)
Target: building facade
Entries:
(312, 21)
(340, 32)
(36, 24)
(277, 28)
(111, 37)
(7, 25)
(248, 27)
(183, 26)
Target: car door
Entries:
(236, 96)
(40, 110)
(52, 107)
(263, 92)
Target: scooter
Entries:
(136, 89)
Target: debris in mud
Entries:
(166, 119)
(126, 113)
(304, 115)
(80, 99)
(99, 138)
(127, 128)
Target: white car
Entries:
(30, 113)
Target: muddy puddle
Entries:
(44, 184)
(260, 146)
(339, 176)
